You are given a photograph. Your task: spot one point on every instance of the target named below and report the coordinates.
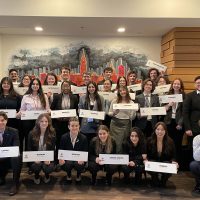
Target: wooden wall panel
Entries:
(180, 52)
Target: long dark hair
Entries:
(118, 86)
(119, 97)
(12, 92)
(96, 96)
(40, 91)
(108, 145)
(167, 147)
(139, 134)
(49, 133)
(51, 74)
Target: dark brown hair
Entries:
(51, 74)
(119, 97)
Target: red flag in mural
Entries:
(83, 62)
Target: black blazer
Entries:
(140, 99)
(10, 137)
(191, 112)
(33, 146)
(152, 153)
(57, 102)
(92, 149)
(81, 143)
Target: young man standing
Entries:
(13, 75)
(107, 75)
(65, 75)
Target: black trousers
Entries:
(38, 167)
(15, 164)
(128, 169)
(69, 165)
(109, 169)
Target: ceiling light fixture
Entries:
(121, 30)
(38, 28)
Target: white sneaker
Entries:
(69, 178)
(78, 179)
(36, 180)
(46, 180)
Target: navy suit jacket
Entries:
(10, 137)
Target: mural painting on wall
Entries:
(80, 58)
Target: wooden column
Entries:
(180, 52)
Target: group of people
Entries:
(123, 131)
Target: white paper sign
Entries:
(51, 88)
(126, 106)
(78, 90)
(153, 111)
(100, 87)
(31, 114)
(73, 155)
(135, 87)
(161, 167)
(158, 66)
(108, 95)
(34, 156)
(113, 86)
(20, 90)
(132, 95)
(171, 98)
(11, 113)
(114, 159)
(8, 152)
(92, 114)
(162, 89)
(63, 113)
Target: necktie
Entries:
(147, 103)
(1, 138)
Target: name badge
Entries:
(171, 98)
(114, 159)
(162, 89)
(161, 167)
(63, 113)
(108, 95)
(11, 113)
(31, 114)
(92, 114)
(135, 87)
(73, 155)
(153, 111)
(78, 90)
(20, 90)
(34, 156)
(51, 88)
(158, 66)
(126, 106)
(9, 152)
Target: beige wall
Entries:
(149, 46)
(1, 56)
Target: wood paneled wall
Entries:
(180, 52)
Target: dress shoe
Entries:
(14, 190)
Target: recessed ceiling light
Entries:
(121, 30)
(38, 28)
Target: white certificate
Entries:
(171, 98)
(153, 111)
(34, 156)
(11, 113)
(135, 87)
(132, 95)
(108, 95)
(31, 114)
(126, 106)
(20, 90)
(114, 159)
(92, 114)
(162, 89)
(161, 167)
(52, 88)
(63, 113)
(100, 87)
(8, 152)
(73, 155)
(158, 66)
(113, 86)
(78, 90)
